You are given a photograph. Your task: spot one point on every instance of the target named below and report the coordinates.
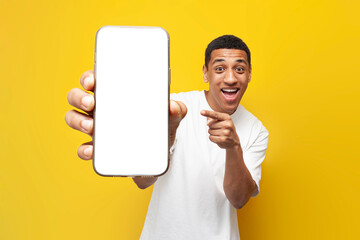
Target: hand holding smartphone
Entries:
(131, 101)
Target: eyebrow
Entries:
(223, 60)
(218, 60)
(241, 61)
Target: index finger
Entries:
(214, 115)
(87, 80)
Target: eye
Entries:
(239, 69)
(219, 69)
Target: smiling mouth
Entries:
(230, 90)
(230, 94)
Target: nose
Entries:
(230, 78)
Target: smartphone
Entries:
(131, 92)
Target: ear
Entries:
(206, 80)
(249, 79)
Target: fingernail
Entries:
(87, 151)
(85, 124)
(175, 106)
(86, 101)
(87, 82)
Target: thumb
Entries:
(174, 108)
(177, 109)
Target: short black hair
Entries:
(228, 42)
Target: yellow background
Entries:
(304, 88)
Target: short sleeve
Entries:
(255, 155)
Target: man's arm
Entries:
(238, 183)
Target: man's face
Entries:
(228, 74)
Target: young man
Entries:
(216, 154)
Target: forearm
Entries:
(238, 183)
(144, 182)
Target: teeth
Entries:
(229, 90)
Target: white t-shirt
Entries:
(189, 202)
